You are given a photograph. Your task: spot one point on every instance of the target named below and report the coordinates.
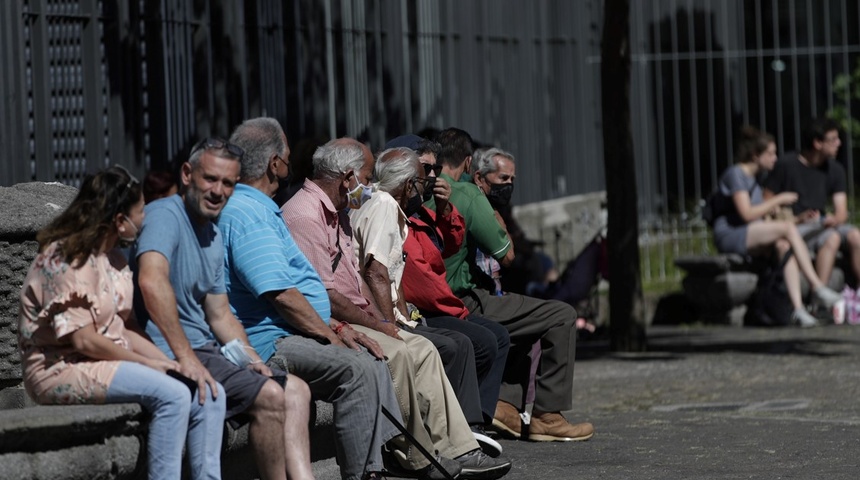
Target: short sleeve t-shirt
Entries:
(195, 253)
(482, 231)
(58, 299)
(814, 185)
(261, 256)
(732, 181)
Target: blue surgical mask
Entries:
(358, 195)
(235, 351)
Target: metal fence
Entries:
(87, 83)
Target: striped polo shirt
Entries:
(261, 256)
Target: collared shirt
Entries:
(325, 236)
(424, 283)
(260, 257)
(483, 231)
(379, 229)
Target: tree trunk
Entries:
(626, 312)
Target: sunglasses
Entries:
(215, 143)
(132, 180)
(437, 169)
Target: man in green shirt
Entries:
(527, 319)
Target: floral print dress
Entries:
(58, 299)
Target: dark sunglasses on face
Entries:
(437, 169)
(216, 143)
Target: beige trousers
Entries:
(429, 406)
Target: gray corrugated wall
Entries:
(521, 75)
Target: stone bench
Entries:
(87, 441)
(720, 287)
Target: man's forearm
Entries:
(294, 308)
(160, 301)
(344, 310)
(376, 277)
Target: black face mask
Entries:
(413, 205)
(429, 183)
(500, 194)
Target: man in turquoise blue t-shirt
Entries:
(282, 303)
(527, 319)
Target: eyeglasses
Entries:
(216, 143)
(437, 169)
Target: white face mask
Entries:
(125, 241)
(358, 195)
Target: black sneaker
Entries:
(430, 472)
(477, 464)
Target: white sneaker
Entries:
(826, 296)
(803, 318)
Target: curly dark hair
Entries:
(83, 226)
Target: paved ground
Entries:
(710, 402)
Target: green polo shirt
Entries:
(482, 231)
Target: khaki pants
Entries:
(429, 406)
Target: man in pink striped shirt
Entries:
(316, 218)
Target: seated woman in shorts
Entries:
(740, 227)
(78, 338)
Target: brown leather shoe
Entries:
(507, 419)
(552, 427)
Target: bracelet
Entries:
(340, 327)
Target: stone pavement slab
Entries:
(710, 403)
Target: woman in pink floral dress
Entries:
(79, 341)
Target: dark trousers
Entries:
(491, 344)
(527, 320)
(458, 358)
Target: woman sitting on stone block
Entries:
(740, 225)
(79, 340)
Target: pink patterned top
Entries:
(57, 300)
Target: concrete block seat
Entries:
(719, 286)
(82, 442)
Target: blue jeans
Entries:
(171, 405)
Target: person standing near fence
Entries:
(739, 226)
(79, 340)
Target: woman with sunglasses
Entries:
(78, 338)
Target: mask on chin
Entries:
(127, 241)
(413, 205)
(358, 195)
(500, 194)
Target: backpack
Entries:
(771, 305)
(710, 210)
(715, 205)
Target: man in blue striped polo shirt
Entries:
(281, 301)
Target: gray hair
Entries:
(261, 138)
(482, 160)
(395, 167)
(337, 157)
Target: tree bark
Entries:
(626, 312)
